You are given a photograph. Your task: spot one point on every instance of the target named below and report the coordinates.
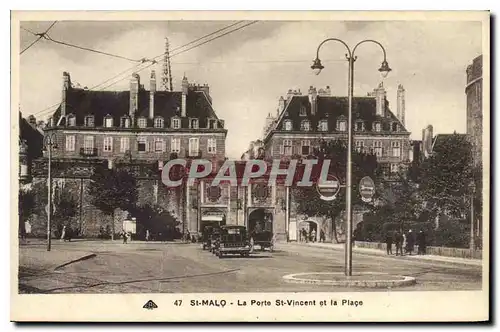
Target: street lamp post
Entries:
(384, 70)
(472, 188)
(49, 144)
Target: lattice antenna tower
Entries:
(166, 79)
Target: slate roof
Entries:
(82, 102)
(333, 108)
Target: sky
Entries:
(249, 69)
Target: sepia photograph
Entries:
(250, 166)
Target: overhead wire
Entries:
(40, 36)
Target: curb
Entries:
(406, 281)
(83, 258)
(381, 253)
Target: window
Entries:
(303, 111)
(287, 125)
(305, 125)
(158, 122)
(141, 144)
(175, 145)
(194, 123)
(108, 144)
(394, 126)
(360, 145)
(378, 127)
(377, 147)
(71, 120)
(70, 143)
(386, 168)
(159, 145)
(125, 122)
(286, 147)
(88, 144)
(108, 121)
(212, 145)
(341, 125)
(396, 149)
(194, 146)
(212, 124)
(142, 122)
(360, 126)
(394, 168)
(89, 121)
(124, 144)
(323, 125)
(176, 123)
(306, 147)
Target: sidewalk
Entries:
(377, 252)
(38, 258)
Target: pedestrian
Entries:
(410, 242)
(313, 235)
(403, 242)
(322, 236)
(421, 243)
(63, 233)
(304, 234)
(147, 235)
(398, 241)
(388, 243)
(124, 236)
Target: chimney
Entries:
(281, 106)
(152, 91)
(401, 104)
(380, 95)
(427, 137)
(185, 87)
(135, 81)
(313, 97)
(289, 94)
(65, 86)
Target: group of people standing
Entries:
(405, 243)
(311, 236)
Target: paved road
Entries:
(186, 268)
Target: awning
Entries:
(211, 218)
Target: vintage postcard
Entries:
(250, 166)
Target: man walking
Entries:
(388, 243)
(398, 240)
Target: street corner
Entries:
(359, 279)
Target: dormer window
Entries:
(108, 121)
(303, 111)
(305, 125)
(142, 122)
(176, 123)
(89, 121)
(158, 123)
(394, 126)
(323, 125)
(342, 125)
(360, 126)
(71, 120)
(212, 124)
(193, 123)
(377, 126)
(125, 122)
(287, 125)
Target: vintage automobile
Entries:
(263, 239)
(232, 240)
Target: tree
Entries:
(446, 175)
(26, 207)
(111, 189)
(66, 208)
(160, 222)
(363, 164)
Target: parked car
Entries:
(232, 240)
(263, 239)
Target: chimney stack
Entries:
(135, 82)
(401, 104)
(185, 88)
(281, 105)
(380, 95)
(65, 86)
(152, 91)
(313, 98)
(427, 137)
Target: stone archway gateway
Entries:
(309, 226)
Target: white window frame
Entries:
(362, 126)
(71, 120)
(158, 122)
(342, 125)
(142, 122)
(212, 145)
(360, 145)
(89, 121)
(142, 140)
(176, 123)
(175, 145)
(70, 142)
(159, 145)
(307, 143)
(323, 125)
(125, 122)
(377, 127)
(194, 123)
(377, 148)
(287, 143)
(305, 125)
(194, 146)
(106, 123)
(396, 149)
(287, 125)
(88, 143)
(107, 145)
(124, 144)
